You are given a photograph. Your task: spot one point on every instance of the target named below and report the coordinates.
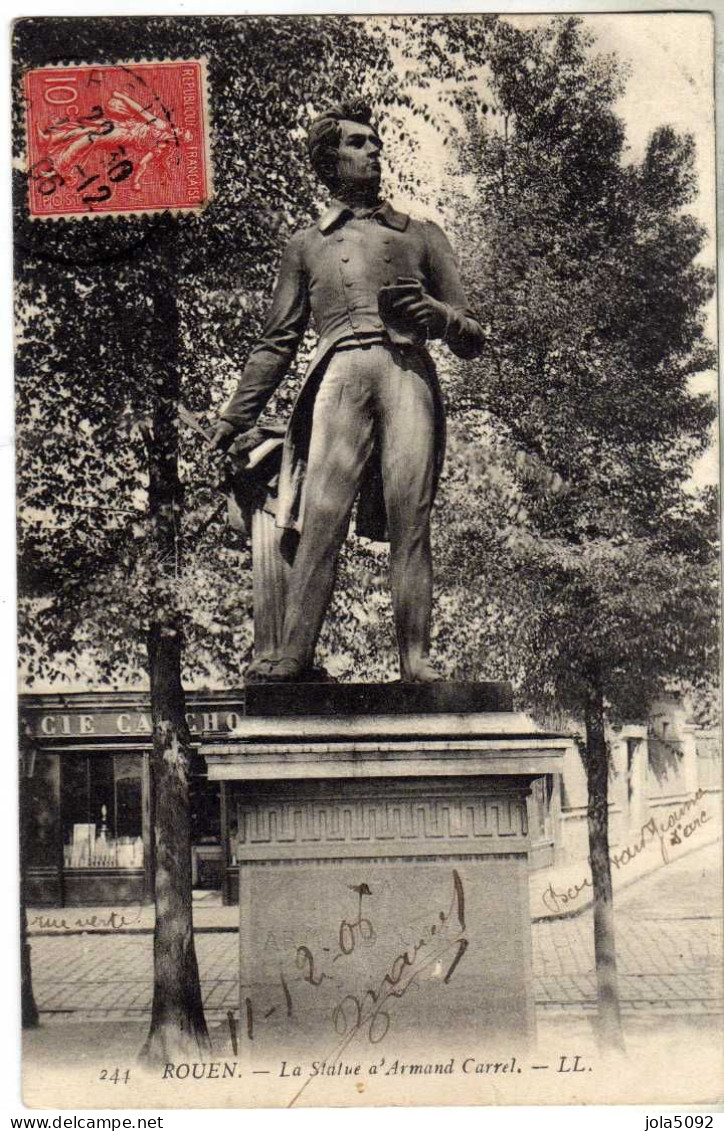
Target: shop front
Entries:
(89, 806)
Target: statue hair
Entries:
(324, 135)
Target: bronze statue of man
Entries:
(369, 417)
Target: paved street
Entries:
(669, 938)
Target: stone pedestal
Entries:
(383, 873)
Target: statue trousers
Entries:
(370, 395)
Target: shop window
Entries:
(100, 805)
(127, 768)
(205, 807)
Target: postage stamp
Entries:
(118, 139)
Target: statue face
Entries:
(358, 162)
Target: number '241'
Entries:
(115, 1076)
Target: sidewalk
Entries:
(673, 1061)
(567, 890)
(669, 941)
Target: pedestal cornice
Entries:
(496, 743)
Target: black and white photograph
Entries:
(368, 557)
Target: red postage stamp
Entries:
(117, 139)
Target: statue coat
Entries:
(333, 271)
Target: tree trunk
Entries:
(610, 1033)
(28, 1009)
(178, 1028)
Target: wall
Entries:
(655, 771)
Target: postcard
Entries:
(367, 473)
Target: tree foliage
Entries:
(119, 319)
(584, 266)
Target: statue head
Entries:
(344, 149)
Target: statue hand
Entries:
(430, 317)
(245, 441)
(222, 437)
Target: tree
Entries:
(585, 268)
(29, 1016)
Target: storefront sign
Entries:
(61, 723)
